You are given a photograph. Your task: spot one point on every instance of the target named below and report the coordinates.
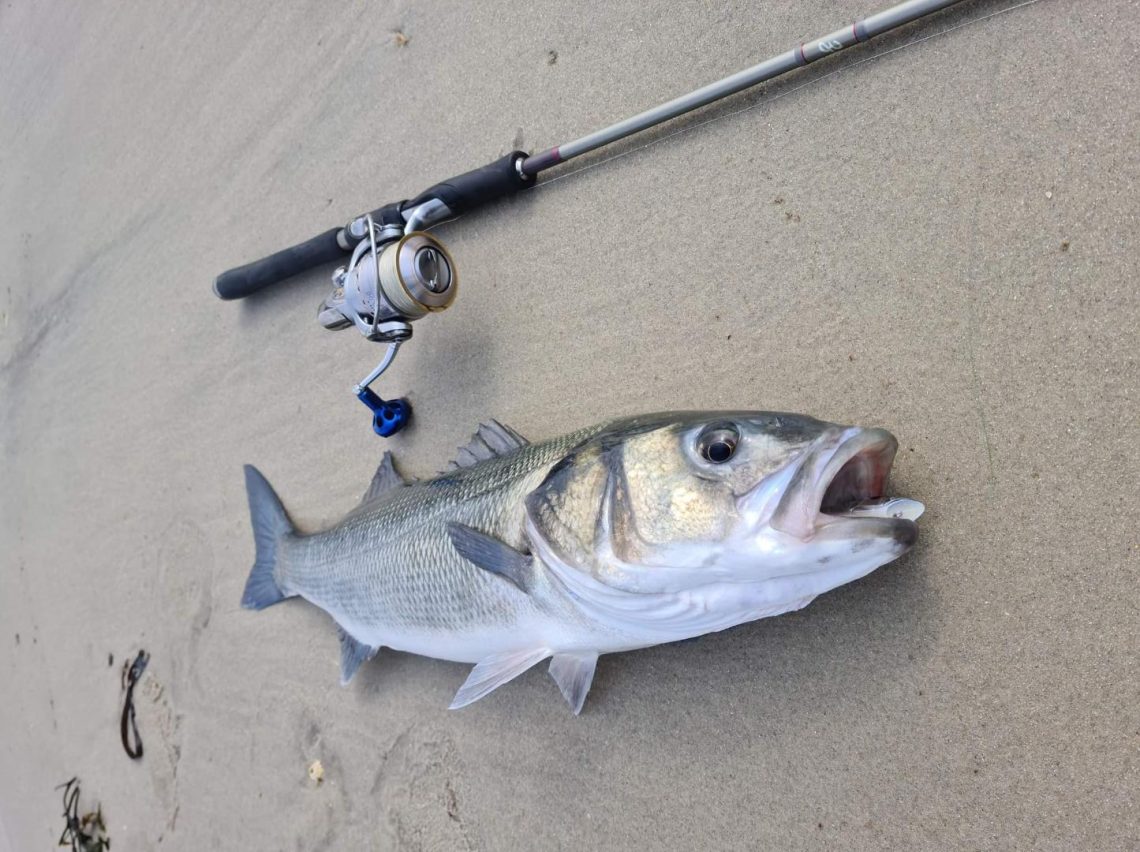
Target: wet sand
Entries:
(941, 242)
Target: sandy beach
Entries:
(941, 241)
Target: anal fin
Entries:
(492, 672)
(574, 673)
(352, 655)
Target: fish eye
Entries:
(718, 445)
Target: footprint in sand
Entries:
(321, 820)
(184, 591)
(162, 745)
(419, 793)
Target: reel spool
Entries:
(393, 279)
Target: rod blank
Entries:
(804, 54)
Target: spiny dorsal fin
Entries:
(492, 555)
(493, 672)
(352, 654)
(574, 673)
(383, 480)
(491, 439)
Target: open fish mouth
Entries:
(854, 487)
(841, 489)
(857, 472)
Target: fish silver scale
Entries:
(391, 566)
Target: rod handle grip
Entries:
(241, 281)
(464, 193)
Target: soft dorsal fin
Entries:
(352, 654)
(383, 480)
(491, 439)
(492, 555)
(574, 673)
(492, 672)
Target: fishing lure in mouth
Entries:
(395, 273)
(616, 537)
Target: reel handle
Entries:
(389, 416)
(240, 282)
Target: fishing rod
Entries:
(397, 273)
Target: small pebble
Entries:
(1049, 195)
(316, 772)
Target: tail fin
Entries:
(270, 523)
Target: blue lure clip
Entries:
(389, 416)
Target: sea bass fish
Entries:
(621, 536)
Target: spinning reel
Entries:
(396, 273)
(393, 278)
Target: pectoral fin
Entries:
(574, 673)
(492, 555)
(493, 672)
(352, 654)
